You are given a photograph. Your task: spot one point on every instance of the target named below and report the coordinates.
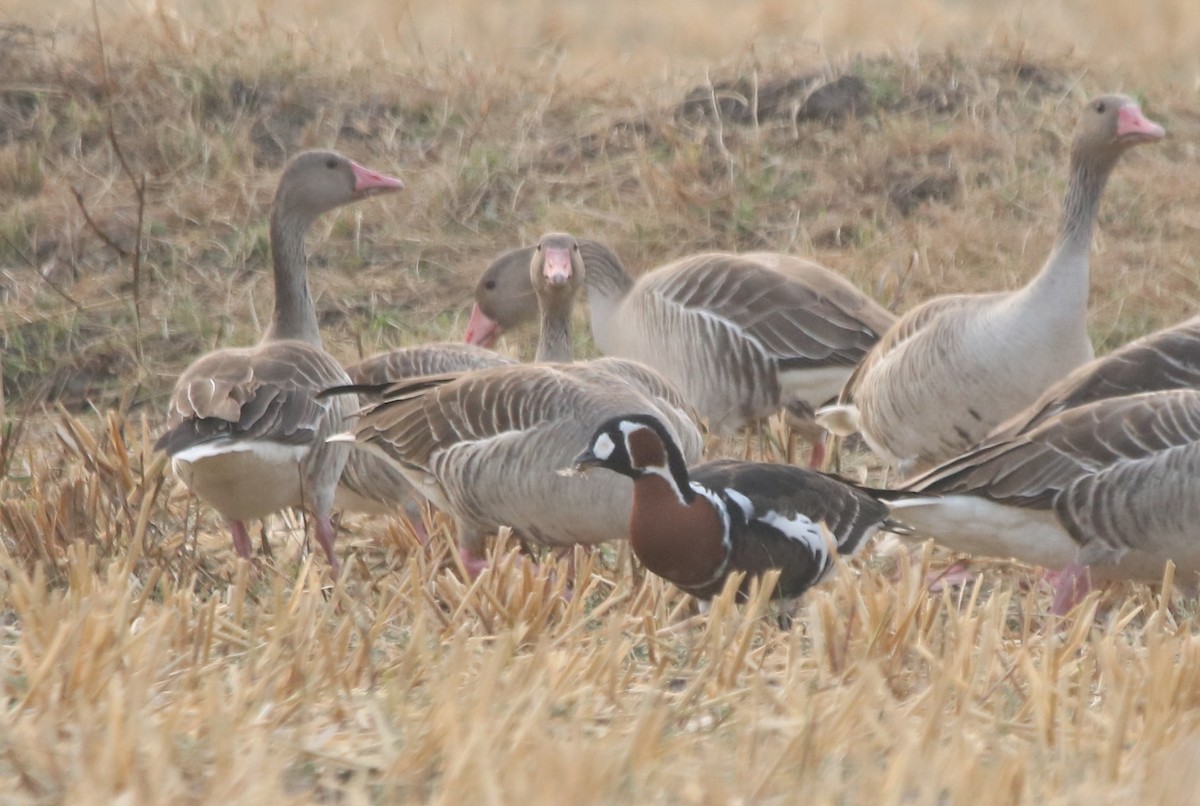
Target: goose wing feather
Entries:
(800, 324)
(265, 393)
(424, 359)
(1167, 359)
(487, 445)
(1085, 451)
(916, 324)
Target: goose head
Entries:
(315, 182)
(503, 297)
(635, 445)
(556, 269)
(556, 273)
(1108, 126)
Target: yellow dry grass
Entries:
(139, 662)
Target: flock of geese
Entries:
(1012, 440)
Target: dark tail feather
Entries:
(896, 527)
(392, 390)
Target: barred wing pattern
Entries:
(744, 335)
(261, 393)
(369, 484)
(1167, 359)
(487, 446)
(777, 494)
(1120, 474)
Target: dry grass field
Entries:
(918, 149)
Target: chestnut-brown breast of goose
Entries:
(684, 542)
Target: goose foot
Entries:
(785, 615)
(416, 519)
(1071, 584)
(955, 576)
(472, 562)
(241, 539)
(325, 536)
(266, 545)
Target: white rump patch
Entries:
(974, 525)
(840, 420)
(273, 452)
(603, 447)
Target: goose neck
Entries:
(1065, 276)
(1081, 205)
(606, 274)
(295, 316)
(608, 283)
(554, 336)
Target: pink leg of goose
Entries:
(1071, 585)
(325, 536)
(816, 459)
(474, 563)
(416, 518)
(955, 576)
(241, 539)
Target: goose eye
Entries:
(331, 163)
(1100, 107)
(490, 285)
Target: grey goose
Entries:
(740, 335)
(955, 367)
(245, 429)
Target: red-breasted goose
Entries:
(953, 368)
(694, 527)
(246, 432)
(740, 335)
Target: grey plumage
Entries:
(369, 484)
(1119, 477)
(740, 335)
(954, 368)
(487, 446)
(246, 431)
(1166, 359)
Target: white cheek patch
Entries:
(603, 447)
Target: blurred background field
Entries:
(919, 148)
